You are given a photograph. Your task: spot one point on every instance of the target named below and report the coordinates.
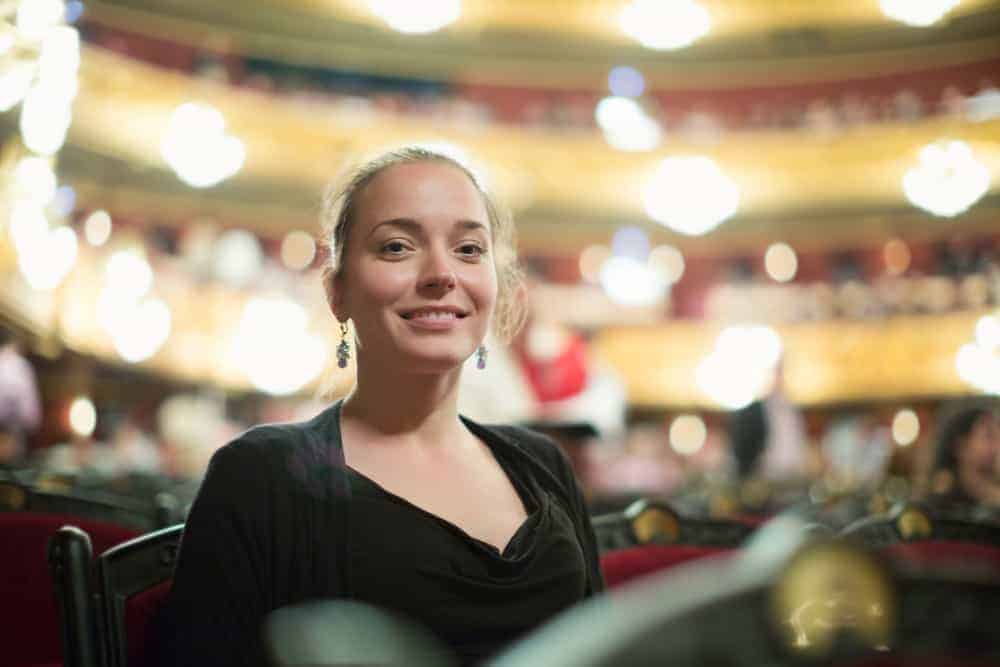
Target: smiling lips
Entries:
(434, 314)
(434, 318)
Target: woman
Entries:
(479, 533)
(967, 459)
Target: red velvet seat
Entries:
(28, 612)
(944, 553)
(624, 565)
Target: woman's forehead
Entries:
(427, 187)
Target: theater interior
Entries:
(761, 247)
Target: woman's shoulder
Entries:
(311, 439)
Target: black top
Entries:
(470, 595)
(271, 526)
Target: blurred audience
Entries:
(966, 470)
(20, 403)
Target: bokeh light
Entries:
(421, 17)
(196, 146)
(741, 367)
(665, 24)
(669, 261)
(948, 180)
(626, 125)
(298, 249)
(919, 13)
(97, 228)
(626, 81)
(896, 255)
(690, 195)
(82, 416)
(781, 262)
(688, 434)
(592, 258)
(905, 427)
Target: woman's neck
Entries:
(422, 407)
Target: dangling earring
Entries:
(481, 354)
(343, 350)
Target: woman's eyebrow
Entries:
(407, 224)
(412, 226)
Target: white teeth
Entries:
(433, 315)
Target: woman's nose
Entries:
(438, 272)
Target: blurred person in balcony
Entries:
(390, 496)
(966, 469)
(768, 437)
(20, 403)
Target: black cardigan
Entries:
(269, 529)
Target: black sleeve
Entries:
(218, 599)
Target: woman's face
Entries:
(982, 446)
(418, 277)
(979, 454)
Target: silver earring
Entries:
(481, 354)
(343, 350)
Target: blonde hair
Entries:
(338, 216)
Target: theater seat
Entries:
(649, 536)
(28, 613)
(918, 537)
(623, 565)
(133, 580)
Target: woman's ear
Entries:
(334, 294)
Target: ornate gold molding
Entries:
(825, 362)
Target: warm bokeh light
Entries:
(44, 256)
(298, 250)
(988, 332)
(741, 367)
(128, 273)
(421, 17)
(688, 434)
(35, 180)
(896, 255)
(82, 416)
(781, 262)
(919, 13)
(36, 17)
(15, 81)
(665, 24)
(59, 59)
(97, 228)
(45, 119)
(905, 427)
(632, 282)
(592, 258)
(197, 147)
(691, 195)
(274, 348)
(948, 180)
(669, 261)
(138, 329)
(978, 362)
(626, 125)
(237, 257)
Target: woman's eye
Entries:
(394, 248)
(470, 250)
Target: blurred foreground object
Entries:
(349, 633)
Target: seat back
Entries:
(70, 562)
(916, 536)
(133, 580)
(28, 613)
(648, 536)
